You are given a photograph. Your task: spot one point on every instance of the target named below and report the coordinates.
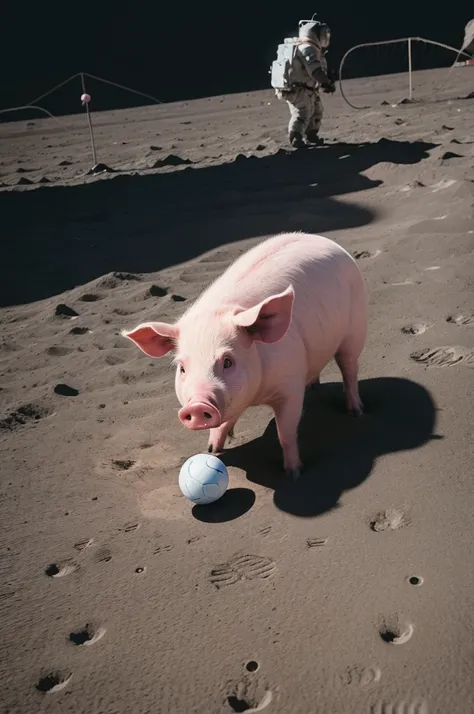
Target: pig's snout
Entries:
(200, 415)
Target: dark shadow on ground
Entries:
(233, 504)
(339, 452)
(58, 237)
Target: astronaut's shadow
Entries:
(339, 451)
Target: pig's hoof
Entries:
(294, 474)
(210, 449)
(231, 434)
(356, 411)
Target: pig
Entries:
(262, 333)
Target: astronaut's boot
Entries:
(296, 139)
(312, 137)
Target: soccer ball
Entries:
(203, 478)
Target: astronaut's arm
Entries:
(315, 64)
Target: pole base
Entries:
(100, 169)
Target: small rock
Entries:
(156, 291)
(171, 160)
(391, 519)
(66, 391)
(451, 155)
(63, 310)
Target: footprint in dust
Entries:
(357, 676)
(162, 549)
(417, 328)
(26, 414)
(113, 360)
(102, 555)
(90, 297)
(242, 567)
(443, 356)
(393, 631)
(60, 570)
(364, 254)
(461, 319)
(416, 706)
(87, 635)
(129, 377)
(129, 527)
(59, 351)
(248, 696)
(415, 580)
(71, 565)
(53, 681)
(315, 542)
(123, 464)
(82, 545)
(392, 519)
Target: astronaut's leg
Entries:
(300, 113)
(314, 124)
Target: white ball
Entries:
(203, 478)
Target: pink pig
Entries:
(261, 333)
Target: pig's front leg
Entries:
(287, 416)
(218, 436)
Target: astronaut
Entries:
(297, 75)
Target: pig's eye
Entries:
(181, 369)
(227, 363)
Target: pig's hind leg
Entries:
(347, 361)
(288, 412)
(218, 436)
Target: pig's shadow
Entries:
(339, 451)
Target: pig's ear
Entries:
(269, 320)
(155, 339)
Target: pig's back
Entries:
(330, 306)
(313, 264)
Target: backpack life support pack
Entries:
(280, 70)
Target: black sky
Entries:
(179, 51)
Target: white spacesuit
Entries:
(297, 74)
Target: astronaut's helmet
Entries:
(315, 30)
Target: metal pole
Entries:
(410, 91)
(89, 121)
